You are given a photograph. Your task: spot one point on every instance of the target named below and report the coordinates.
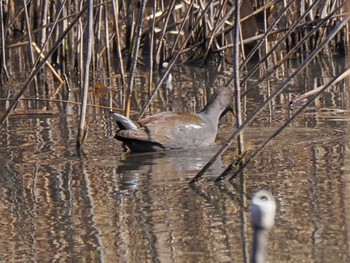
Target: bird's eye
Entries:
(264, 198)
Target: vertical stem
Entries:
(80, 48)
(173, 60)
(2, 34)
(108, 52)
(43, 23)
(70, 54)
(64, 47)
(237, 85)
(162, 34)
(185, 18)
(265, 37)
(90, 37)
(108, 57)
(244, 225)
(241, 41)
(98, 36)
(151, 49)
(238, 109)
(31, 53)
(134, 58)
(115, 7)
(52, 30)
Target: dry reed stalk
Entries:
(151, 49)
(205, 26)
(135, 49)
(162, 34)
(115, 8)
(217, 26)
(30, 47)
(66, 53)
(237, 86)
(129, 37)
(104, 48)
(108, 52)
(65, 101)
(265, 35)
(80, 51)
(3, 41)
(272, 50)
(267, 5)
(98, 37)
(49, 25)
(44, 13)
(44, 44)
(221, 36)
(53, 70)
(324, 10)
(82, 130)
(240, 42)
(172, 62)
(292, 51)
(182, 25)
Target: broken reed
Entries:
(188, 30)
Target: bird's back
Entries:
(170, 130)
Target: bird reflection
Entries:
(177, 164)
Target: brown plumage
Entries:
(174, 130)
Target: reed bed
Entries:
(124, 36)
(155, 32)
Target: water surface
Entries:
(103, 205)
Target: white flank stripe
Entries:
(193, 126)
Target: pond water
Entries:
(105, 205)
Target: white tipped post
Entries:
(263, 210)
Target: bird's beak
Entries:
(229, 109)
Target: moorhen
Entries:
(175, 130)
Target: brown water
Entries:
(107, 206)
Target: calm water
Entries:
(107, 206)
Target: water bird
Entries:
(263, 210)
(175, 130)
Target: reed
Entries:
(135, 51)
(38, 67)
(82, 130)
(208, 38)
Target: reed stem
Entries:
(82, 130)
(135, 49)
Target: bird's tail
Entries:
(123, 122)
